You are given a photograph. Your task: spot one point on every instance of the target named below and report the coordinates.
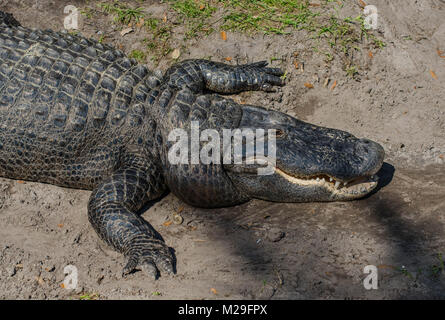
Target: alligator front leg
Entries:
(200, 74)
(112, 212)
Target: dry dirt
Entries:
(261, 249)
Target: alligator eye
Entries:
(279, 133)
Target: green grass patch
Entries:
(89, 296)
(335, 37)
(138, 55)
(195, 15)
(269, 17)
(122, 13)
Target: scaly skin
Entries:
(76, 113)
(79, 114)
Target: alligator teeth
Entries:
(318, 179)
(323, 180)
(345, 183)
(337, 184)
(330, 179)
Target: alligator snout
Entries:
(373, 155)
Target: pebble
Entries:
(275, 235)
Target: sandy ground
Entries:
(261, 249)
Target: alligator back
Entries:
(65, 105)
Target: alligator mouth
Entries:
(353, 188)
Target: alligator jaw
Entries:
(342, 190)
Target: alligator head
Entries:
(312, 163)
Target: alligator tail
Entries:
(8, 19)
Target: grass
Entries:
(138, 55)
(89, 296)
(335, 37)
(122, 13)
(157, 44)
(437, 269)
(195, 16)
(269, 17)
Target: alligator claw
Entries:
(149, 268)
(150, 260)
(265, 77)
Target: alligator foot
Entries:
(262, 77)
(222, 78)
(112, 211)
(149, 255)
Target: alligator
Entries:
(77, 113)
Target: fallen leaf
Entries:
(370, 54)
(62, 285)
(439, 52)
(202, 7)
(308, 85)
(60, 225)
(126, 31)
(362, 3)
(167, 223)
(20, 181)
(213, 290)
(176, 53)
(334, 85)
(296, 64)
(228, 58)
(140, 23)
(433, 74)
(441, 156)
(19, 266)
(443, 57)
(130, 24)
(223, 35)
(164, 19)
